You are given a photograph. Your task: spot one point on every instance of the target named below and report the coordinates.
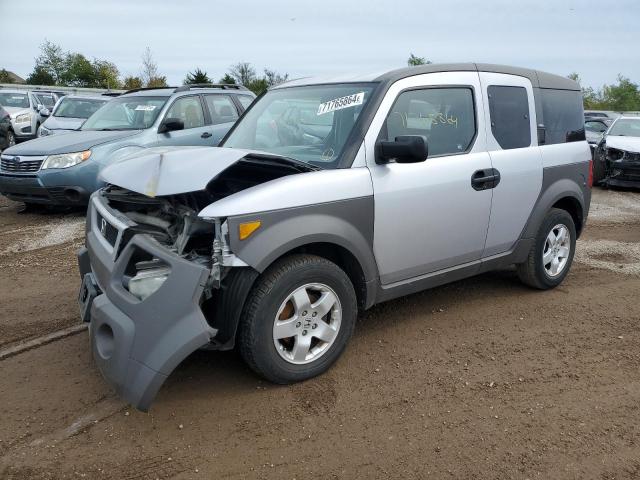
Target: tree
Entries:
(40, 76)
(228, 80)
(150, 76)
(274, 78)
(257, 85)
(51, 63)
(243, 73)
(131, 82)
(198, 76)
(414, 61)
(78, 72)
(622, 97)
(107, 74)
(5, 77)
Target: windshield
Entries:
(14, 100)
(45, 99)
(627, 127)
(310, 123)
(126, 113)
(77, 107)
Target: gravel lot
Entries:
(480, 379)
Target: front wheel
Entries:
(298, 319)
(551, 255)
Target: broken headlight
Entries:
(614, 154)
(146, 282)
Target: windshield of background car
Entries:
(628, 127)
(14, 100)
(309, 123)
(126, 113)
(46, 100)
(77, 107)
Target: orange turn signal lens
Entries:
(246, 229)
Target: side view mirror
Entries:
(404, 149)
(171, 125)
(39, 107)
(45, 112)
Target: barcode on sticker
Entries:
(340, 103)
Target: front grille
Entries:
(10, 164)
(108, 231)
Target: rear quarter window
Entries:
(509, 110)
(562, 115)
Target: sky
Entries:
(597, 39)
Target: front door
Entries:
(429, 216)
(196, 132)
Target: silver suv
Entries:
(326, 198)
(23, 108)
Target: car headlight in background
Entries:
(146, 282)
(23, 118)
(66, 160)
(43, 132)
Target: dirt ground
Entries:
(480, 379)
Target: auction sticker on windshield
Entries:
(340, 103)
(146, 108)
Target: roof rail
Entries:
(223, 86)
(142, 89)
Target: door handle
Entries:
(206, 135)
(485, 179)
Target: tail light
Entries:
(590, 180)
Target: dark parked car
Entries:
(7, 138)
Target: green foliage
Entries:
(414, 61)
(5, 77)
(55, 67)
(621, 97)
(244, 73)
(156, 82)
(40, 76)
(132, 82)
(228, 80)
(198, 76)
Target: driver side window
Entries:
(189, 110)
(444, 116)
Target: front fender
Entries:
(346, 223)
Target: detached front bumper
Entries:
(137, 344)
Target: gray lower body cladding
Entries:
(137, 344)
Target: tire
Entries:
(537, 273)
(271, 309)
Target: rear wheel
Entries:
(551, 255)
(298, 319)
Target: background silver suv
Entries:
(24, 108)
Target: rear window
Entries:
(509, 110)
(562, 115)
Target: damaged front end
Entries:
(160, 282)
(621, 167)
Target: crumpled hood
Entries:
(63, 123)
(171, 170)
(628, 144)
(71, 142)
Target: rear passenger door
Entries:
(510, 117)
(223, 113)
(196, 132)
